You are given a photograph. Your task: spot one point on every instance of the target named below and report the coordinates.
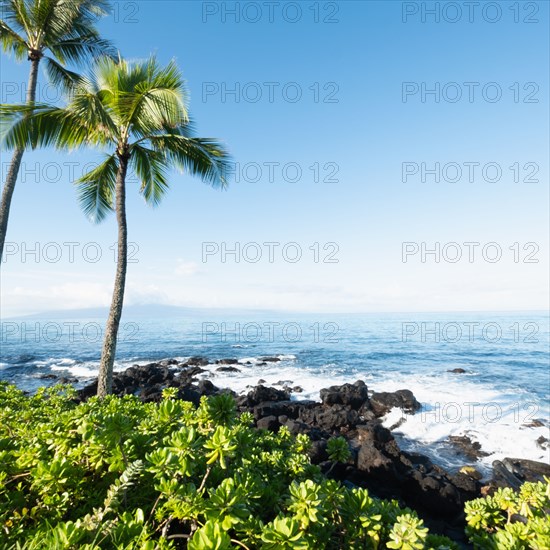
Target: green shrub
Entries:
(510, 520)
(120, 474)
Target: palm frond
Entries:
(155, 97)
(44, 22)
(97, 8)
(61, 77)
(61, 20)
(203, 157)
(91, 110)
(16, 129)
(37, 125)
(16, 15)
(96, 189)
(81, 47)
(151, 168)
(155, 109)
(12, 42)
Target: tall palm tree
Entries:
(64, 29)
(138, 112)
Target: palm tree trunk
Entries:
(9, 185)
(105, 379)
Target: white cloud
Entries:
(186, 269)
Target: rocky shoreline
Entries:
(354, 412)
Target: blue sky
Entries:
(354, 127)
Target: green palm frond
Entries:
(15, 14)
(46, 22)
(18, 125)
(155, 97)
(38, 125)
(95, 8)
(203, 157)
(157, 108)
(91, 111)
(12, 42)
(81, 47)
(60, 76)
(96, 189)
(151, 168)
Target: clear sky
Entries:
(338, 116)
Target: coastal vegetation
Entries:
(120, 473)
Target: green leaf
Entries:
(96, 189)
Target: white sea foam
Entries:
(80, 371)
(83, 369)
(54, 362)
(279, 373)
(455, 406)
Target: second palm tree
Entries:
(138, 112)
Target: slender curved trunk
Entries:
(105, 379)
(11, 178)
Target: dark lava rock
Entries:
(398, 424)
(48, 377)
(207, 388)
(331, 419)
(283, 383)
(228, 369)
(227, 361)
(196, 361)
(372, 459)
(355, 395)
(270, 423)
(88, 391)
(188, 375)
(512, 472)
(264, 393)
(318, 451)
(148, 381)
(68, 380)
(467, 483)
(290, 409)
(542, 442)
(383, 402)
(457, 370)
(470, 471)
(296, 427)
(269, 359)
(535, 423)
(190, 393)
(467, 447)
(373, 432)
(168, 362)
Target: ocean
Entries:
(502, 400)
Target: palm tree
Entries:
(63, 28)
(138, 112)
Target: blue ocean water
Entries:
(501, 400)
